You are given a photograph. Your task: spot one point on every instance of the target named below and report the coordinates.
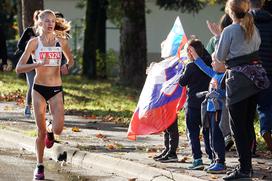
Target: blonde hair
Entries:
(62, 27)
(239, 8)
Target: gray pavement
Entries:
(18, 165)
(104, 145)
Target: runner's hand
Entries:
(64, 69)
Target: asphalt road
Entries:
(18, 165)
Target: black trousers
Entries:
(242, 117)
(171, 137)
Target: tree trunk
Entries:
(19, 17)
(28, 9)
(133, 43)
(101, 38)
(89, 54)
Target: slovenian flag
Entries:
(162, 96)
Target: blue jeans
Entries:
(30, 79)
(264, 108)
(217, 142)
(193, 123)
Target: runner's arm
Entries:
(21, 66)
(67, 52)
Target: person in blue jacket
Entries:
(215, 105)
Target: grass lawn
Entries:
(82, 97)
(91, 98)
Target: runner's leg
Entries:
(57, 112)
(39, 105)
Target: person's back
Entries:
(234, 44)
(196, 81)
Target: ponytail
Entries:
(247, 24)
(35, 21)
(62, 28)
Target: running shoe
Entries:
(197, 164)
(27, 112)
(217, 168)
(39, 172)
(163, 153)
(169, 157)
(49, 138)
(210, 166)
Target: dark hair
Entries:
(225, 21)
(59, 14)
(198, 46)
(256, 3)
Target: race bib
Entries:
(51, 56)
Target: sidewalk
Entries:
(104, 145)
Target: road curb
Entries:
(89, 160)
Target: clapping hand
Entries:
(214, 28)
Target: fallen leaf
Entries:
(110, 146)
(214, 177)
(151, 150)
(132, 179)
(99, 135)
(183, 159)
(75, 129)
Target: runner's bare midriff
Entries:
(48, 76)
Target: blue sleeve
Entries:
(206, 69)
(221, 91)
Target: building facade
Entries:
(158, 24)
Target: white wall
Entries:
(158, 23)
(66, 7)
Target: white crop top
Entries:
(52, 55)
